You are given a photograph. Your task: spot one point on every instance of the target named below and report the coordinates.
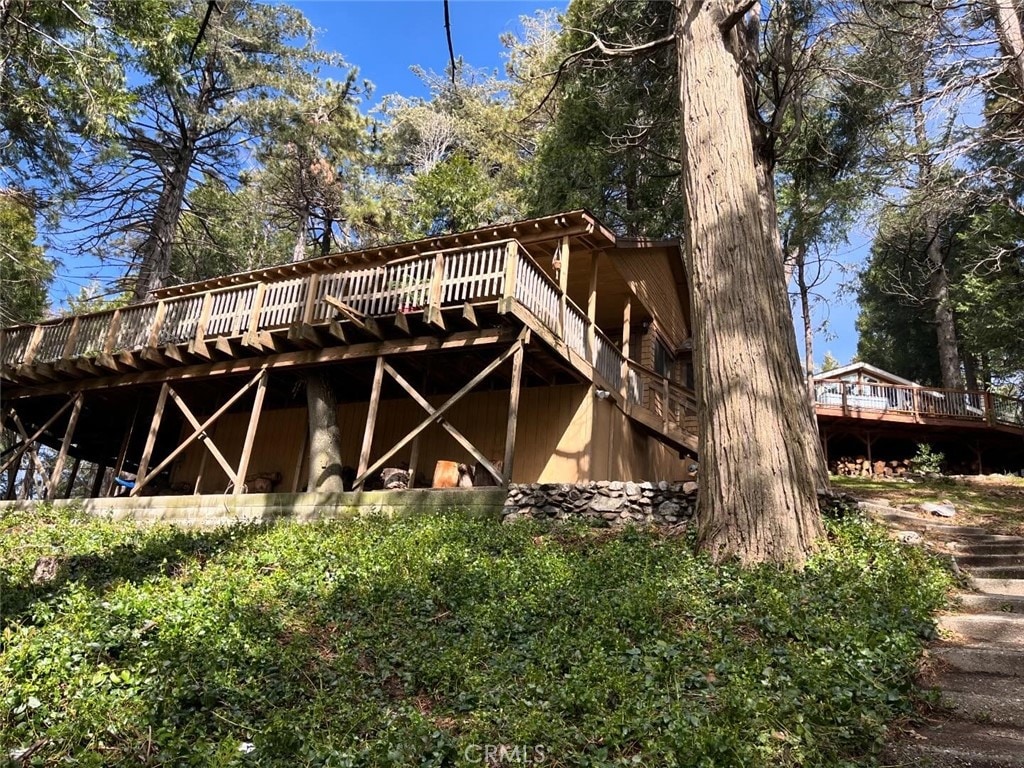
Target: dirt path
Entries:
(978, 665)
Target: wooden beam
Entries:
(401, 322)
(250, 433)
(414, 460)
(65, 444)
(199, 348)
(29, 446)
(300, 460)
(435, 294)
(462, 440)
(225, 347)
(32, 347)
(69, 486)
(508, 293)
(592, 309)
(469, 315)
(69, 345)
(371, 421)
(269, 341)
(112, 330)
(312, 288)
(513, 414)
(454, 341)
(254, 315)
(202, 437)
(103, 360)
(121, 454)
(440, 411)
(627, 311)
(147, 452)
(337, 330)
(202, 428)
(153, 340)
(128, 359)
(305, 335)
(97, 481)
(35, 436)
(563, 283)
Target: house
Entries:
(545, 350)
(867, 411)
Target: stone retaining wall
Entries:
(604, 502)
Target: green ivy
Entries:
(407, 642)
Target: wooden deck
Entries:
(336, 314)
(877, 403)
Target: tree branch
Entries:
(735, 15)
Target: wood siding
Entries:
(564, 435)
(652, 280)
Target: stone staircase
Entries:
(978, 666)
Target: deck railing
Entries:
(920, 402)
(491, 272)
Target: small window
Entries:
(662, 359)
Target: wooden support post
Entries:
(29, 441)
(65, 444)
(250, 338)
(414, 460)
(469, 315)
(563, 283)
(627, 310)
(33, 346)
(513, 413)
(459, 437)
(153, 340)
(990, 414)
(75, 466)
(69, 345)
(34, 464)
(371, 421)
(309, 308)
(97, 481)
(110, 340)
(121, 454)
(201, 472)
(433, 313)
(508, 293)
(296, 478)
(154, 428)
(199, 431)
(250, 434)
(435, 416)
(592, 309)
(664, 404)
(204, 320)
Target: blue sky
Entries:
(386, 38)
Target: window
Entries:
(662, 359)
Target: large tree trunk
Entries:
(324, 436)
(1011, 37)
(761, 464)
(155, 253)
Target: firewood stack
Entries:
(861, 467)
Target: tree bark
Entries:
(324, 436)
(156, 251)
(761, 464)
(1011, 38)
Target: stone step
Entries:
(906, 520)
(987, 627)
(988, 699)
(1010, 548)
(1012, 587)
(1011, 572)
(974, 602)
(988, 561)
(958, 744)
(981, 659)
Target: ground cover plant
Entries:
(422, 642)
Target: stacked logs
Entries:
(862, 467)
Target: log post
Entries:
(75, 466)
(371, 421)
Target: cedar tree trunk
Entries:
(324, 436)
(761, 463)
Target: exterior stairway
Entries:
(979, 665)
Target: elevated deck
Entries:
(866, 403)
(465, 300)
